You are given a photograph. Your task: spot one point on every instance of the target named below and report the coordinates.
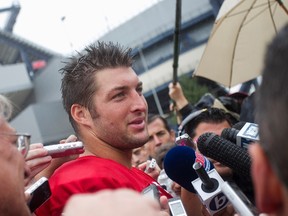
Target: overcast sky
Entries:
(67, 25)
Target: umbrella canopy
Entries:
(237, 43)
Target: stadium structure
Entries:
(30, 73)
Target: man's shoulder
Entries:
(82, 164)
(92, 166)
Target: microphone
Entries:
(240, 202)
(225, 152)
(208, 187)
(239, 125)
(248, 134)
(231, 133)
(230, 155)
(242, 137)
(178, 165)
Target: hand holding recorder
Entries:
(151, 168)
(39, 157)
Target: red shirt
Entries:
(89, 174)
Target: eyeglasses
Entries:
(20, 140)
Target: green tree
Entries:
(192, 90)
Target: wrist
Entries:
(181, 103)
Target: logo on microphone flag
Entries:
(204, 161)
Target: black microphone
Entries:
(231, 133)
(208, 184)
(242, 137)
(225, 152)
(230, 155)
(239, 125)
(178, 165)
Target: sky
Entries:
(64, 26)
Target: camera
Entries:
(185, 140)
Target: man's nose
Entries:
(157, 140)
(139, 103)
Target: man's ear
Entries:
(267, 186)
(81, 115)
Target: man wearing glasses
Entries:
(13, 168)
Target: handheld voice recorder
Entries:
(176, 207)
(152, 192)
(66, 149)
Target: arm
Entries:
(113, 202)
(182, 104)
(191, 202)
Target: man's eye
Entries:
(161, 133)
(140, 90)
(119, 95)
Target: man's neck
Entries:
(104, 150)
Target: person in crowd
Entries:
(229, 103)
(161, 153)
(212, 120)
(270, 155)
(103, 97)
(172, 187)
(140, 155)
(14, 170)
(159, 133)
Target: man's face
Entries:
(121, 109)
(12, 165)
(158, 135)
(217, 129)
(140, 155)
